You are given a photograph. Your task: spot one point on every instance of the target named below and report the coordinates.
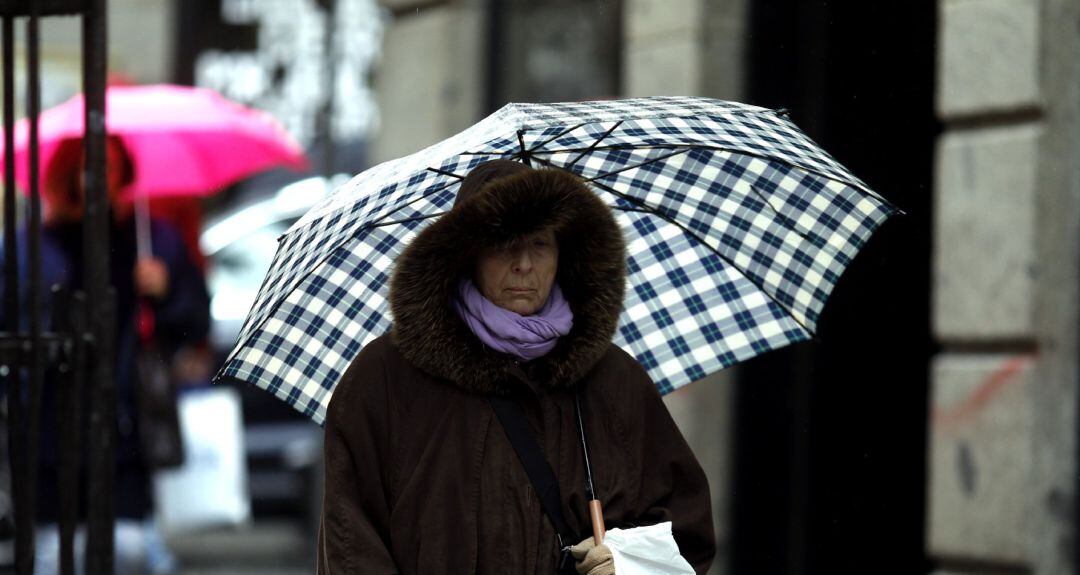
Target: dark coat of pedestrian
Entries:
(181, 317)
(420, 476)
(168, 283)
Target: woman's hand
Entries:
(593, 559)
(151, 278)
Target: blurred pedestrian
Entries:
(515, 293)
(161, 301)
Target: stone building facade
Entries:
(1003, 449)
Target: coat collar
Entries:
(592, 272)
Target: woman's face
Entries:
(518, 277)
(66, 191)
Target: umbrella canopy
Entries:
(182, 141)
(738, 226)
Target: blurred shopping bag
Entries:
(210, 488)
(647, 550)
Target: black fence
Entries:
(77, 345)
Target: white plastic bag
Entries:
(649, 550)
(210, 488)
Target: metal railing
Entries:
(78, 347)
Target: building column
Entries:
(1007, 226)
(423, 100)
(1053, 444)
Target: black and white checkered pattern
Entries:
(738, 227)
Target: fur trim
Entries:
(592, 275)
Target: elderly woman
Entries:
(515, 293)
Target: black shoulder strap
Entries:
(536, 465)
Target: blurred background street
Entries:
(271, 547)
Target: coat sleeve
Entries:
(183, 316)
(673, 487)
(355, 523)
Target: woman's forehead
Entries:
(544, 234)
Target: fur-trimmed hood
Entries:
(591, 273)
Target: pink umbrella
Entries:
(182, 141)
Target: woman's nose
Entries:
(522, 261)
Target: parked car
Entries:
(284, 448)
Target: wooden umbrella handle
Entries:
(597, 515)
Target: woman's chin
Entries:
(521, 307)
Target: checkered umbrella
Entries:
(738, 227)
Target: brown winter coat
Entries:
(420, 477)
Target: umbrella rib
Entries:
(446, 173)
(536, 150)
(378, 222)
(525, 154)
(790, 223)
(404, 221)
(632, 166)
(634, 147)
(594, 144)
(656, 212)
(556, 137)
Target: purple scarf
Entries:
(524, 337)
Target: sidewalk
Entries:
(277, 547)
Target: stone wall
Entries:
(1007, 205)
(430, 83)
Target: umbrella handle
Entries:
(596, 513)
(143, 242)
